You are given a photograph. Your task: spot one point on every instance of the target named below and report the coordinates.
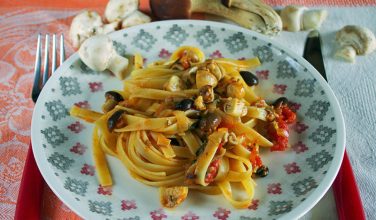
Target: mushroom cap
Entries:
(313, 19)
(346, 53)
(171, 9)
(120, 9)
(108, 28)
(360, 38)
(291, 17)
(83, 25)
(96, 52)
(135, 18)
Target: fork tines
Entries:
(37, 70)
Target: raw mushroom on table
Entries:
(252, 14)
(119, 9)
(119, 14)
(135, 18)
(269, 16)
(354, 40)
(298, 18)
(87, 24)
(125, 11)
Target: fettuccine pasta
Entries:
(188, 123)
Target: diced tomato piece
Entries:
(255, 160)
(287, 115)
(281, 123)
(280, 144)
(220, 146)
(212, 171)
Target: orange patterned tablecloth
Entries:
(20, 22)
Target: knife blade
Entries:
(346, 193)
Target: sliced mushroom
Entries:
(235, 107)
(135, 18)
(254, 18)
(354, 40)
(205, 78)
(189, 76)
(186, 57)
(87, 24)
(235, 89)
(174, 84)
(297, 18)
(98, 53)
(213, 67)
(270, 17)
(199, 103)
(112, 99)
(232, 139)
(207, 93)
(117, 10)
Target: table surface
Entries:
(21, 21)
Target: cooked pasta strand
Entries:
(104, 175)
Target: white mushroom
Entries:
(117, 10)
(86, 24)
(313, 19)
(296, 18)
(174, 84)
(354, 40)
(83, 25)
(135, 18)
(98, 53)
(235, 107)
(269, 16)
(108, 28)
(252, 14)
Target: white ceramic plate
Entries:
(298, 177)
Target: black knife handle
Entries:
(312, 52)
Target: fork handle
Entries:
(29, 200)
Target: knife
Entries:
(346, 193)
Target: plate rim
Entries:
(297, 212)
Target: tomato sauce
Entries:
(279, 131)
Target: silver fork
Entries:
(32, 183)
(37, 86)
